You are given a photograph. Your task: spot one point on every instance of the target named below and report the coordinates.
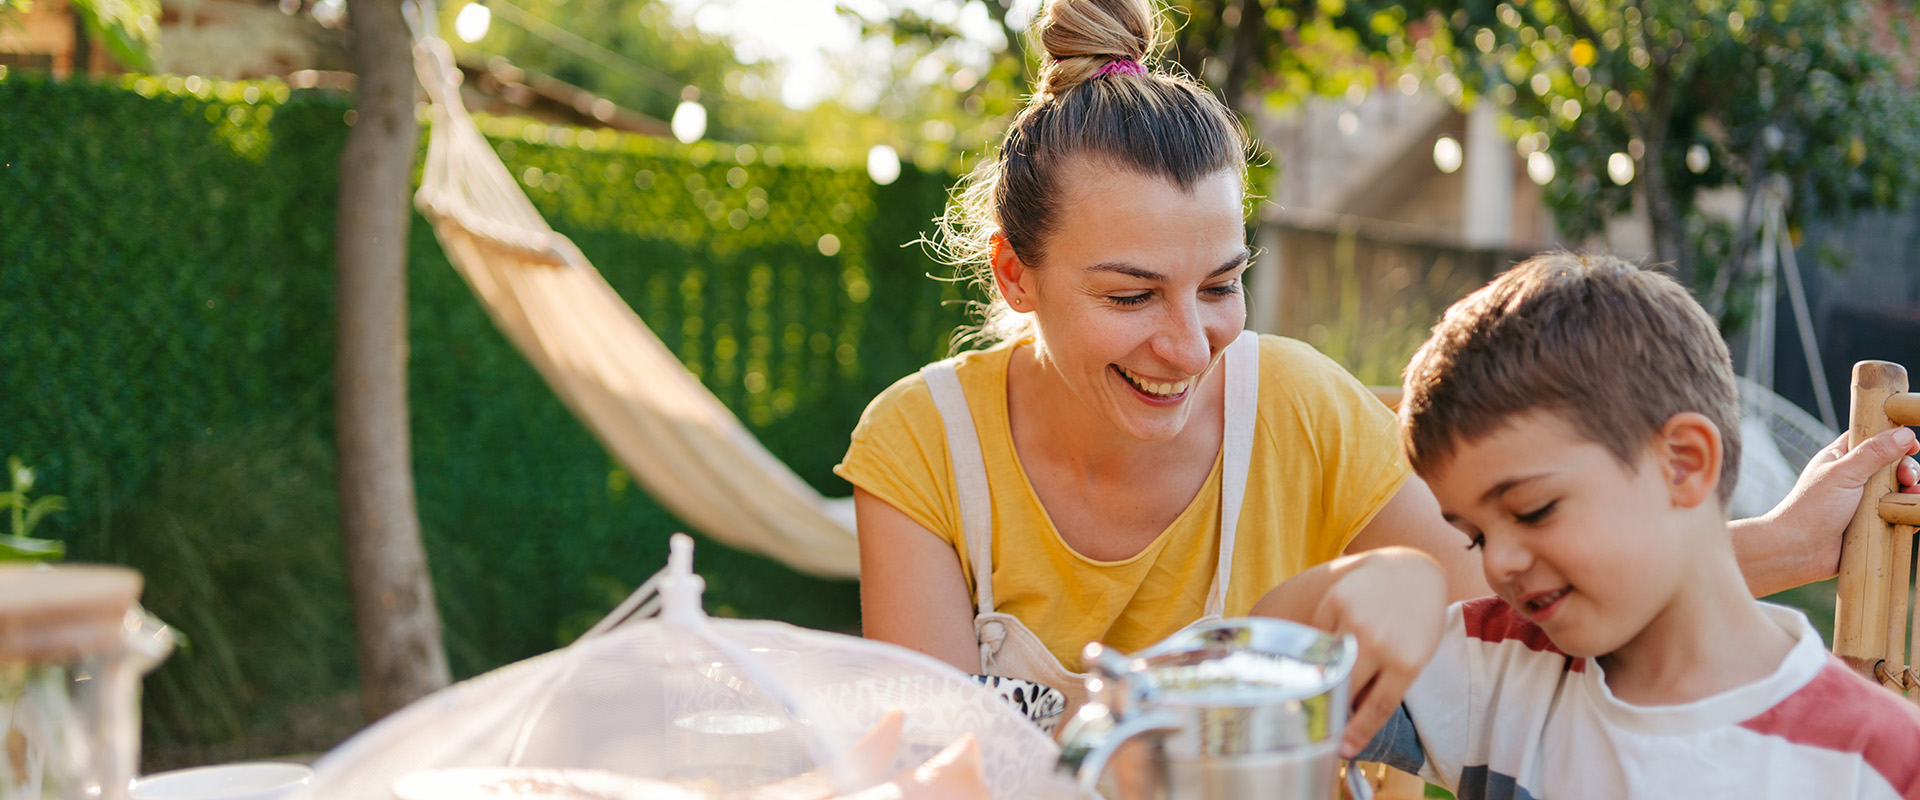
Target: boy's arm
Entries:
(1393, 600)
(1430, 734)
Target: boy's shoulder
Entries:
(1842, 713)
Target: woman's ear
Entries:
(1010, 275)
(1690, 453)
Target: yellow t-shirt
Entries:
(1325, 460)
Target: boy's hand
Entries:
(1393, 600)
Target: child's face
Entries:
(1590, 550)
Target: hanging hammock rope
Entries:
(610, 370)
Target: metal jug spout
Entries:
(1094, 736)
(1218, 710)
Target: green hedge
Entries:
(166, 297)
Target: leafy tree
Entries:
(630, 52)
(129, 28)
(1696, 94)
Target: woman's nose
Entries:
(1183, 340)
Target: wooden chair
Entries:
(1871, 616)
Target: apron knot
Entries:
(992, 633)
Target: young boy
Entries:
(1577, 421)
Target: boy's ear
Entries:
(1010, 275)
(1689, 452)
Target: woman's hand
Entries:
(1393, 600)
(1798, 542)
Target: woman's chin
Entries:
(1153, 425)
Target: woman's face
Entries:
(1139, 295)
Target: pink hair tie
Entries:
(1121, 66)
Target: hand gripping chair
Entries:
(1871, 618)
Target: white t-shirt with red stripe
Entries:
(1501, 713)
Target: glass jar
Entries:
(74, 644)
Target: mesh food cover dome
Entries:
(660, 701)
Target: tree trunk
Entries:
(1663, 214)
(401, 656)
(1249, 38)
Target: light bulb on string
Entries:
(472, 23)
(883, 164)
(1447, 154)
(1620, 168)
(689, 121)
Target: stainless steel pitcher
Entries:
(1225, 709)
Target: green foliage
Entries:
(130, 28)
(27, 513)
(170, 281)
(630, 52)
(1699, 95)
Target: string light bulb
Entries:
(472, 22)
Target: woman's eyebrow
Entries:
(1143, 273)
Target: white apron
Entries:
(1007, 647)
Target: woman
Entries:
(1126, 460)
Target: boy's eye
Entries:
(1477, 542)
(1534, 517)
(1130, 299)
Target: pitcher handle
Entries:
(1087, 759)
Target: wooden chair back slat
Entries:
(1901, 509)
(1904, 408)
(1873, 614)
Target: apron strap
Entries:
(1241, 410)
(969, 476)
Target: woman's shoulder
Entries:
(1294, 368)
(909, 401)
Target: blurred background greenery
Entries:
(169, 374)
(166, 268)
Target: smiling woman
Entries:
(1106, 468)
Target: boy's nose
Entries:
(1503, 561)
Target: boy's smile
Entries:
(1590, 549)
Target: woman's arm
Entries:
(912, 592)
(1798, 541)
(1412, 519)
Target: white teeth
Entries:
(1151, 387)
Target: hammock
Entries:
(614, 374)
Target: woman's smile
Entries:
(1173, 391)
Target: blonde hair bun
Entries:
(1082, 36)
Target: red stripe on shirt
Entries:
(1491, 619)
(1839, 710)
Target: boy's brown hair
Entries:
(1613, 349)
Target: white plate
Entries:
(263, 780)
(508, 783)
